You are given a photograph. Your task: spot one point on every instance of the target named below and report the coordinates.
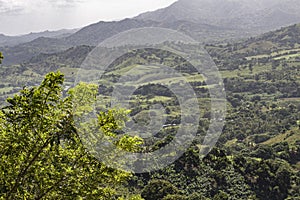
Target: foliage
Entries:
(174, 197)
(158, 190)
(1, 57)
(196, 196)
(42, 156)
(257, 156)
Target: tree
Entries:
(221, 196)
(174, 197)
(41, 154)
(1, 57)
(196, 196)
(158, 190)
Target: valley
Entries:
(257, 155)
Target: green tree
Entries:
(158, 189)
(41, 154)
(174, 197)
(221, 196)
(1, 57)
(196, 196)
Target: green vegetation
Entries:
(1, 57)
(257, 155)
(41, 153)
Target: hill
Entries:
(15, 40)
(25, 51)
(258, 153)
(205, 20)
(282, 44)
(71, 58)
(261, 69)
(254, 16)
(93, 34)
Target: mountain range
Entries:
(284, 40)
(6, 40)
(261, 15)
(204, 20)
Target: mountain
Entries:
(96, 33)
(72, 57)
(90, 35)
(93, 34)
(206, 21)
(22, 52)
(282, 41)
(267, 48)
(258, 153)
(15, 40)
(261, 15)
(284, 38)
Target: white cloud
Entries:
(64, 3)
(24, 6)
(12, 6)
(24, 16)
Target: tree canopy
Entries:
(41, 153)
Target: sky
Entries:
(25, 16)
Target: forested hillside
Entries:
(257, 155)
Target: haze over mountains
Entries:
(6, 40)
(271, 41)
(204, 20)
(234, 14)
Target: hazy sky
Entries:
(24, 16)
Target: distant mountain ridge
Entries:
(284, 41)
(93, 34)
(281, 39)
(72, 57)
(23, 52)
(6, 40)
(205, 20)
(286, 38)
(236, 14)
